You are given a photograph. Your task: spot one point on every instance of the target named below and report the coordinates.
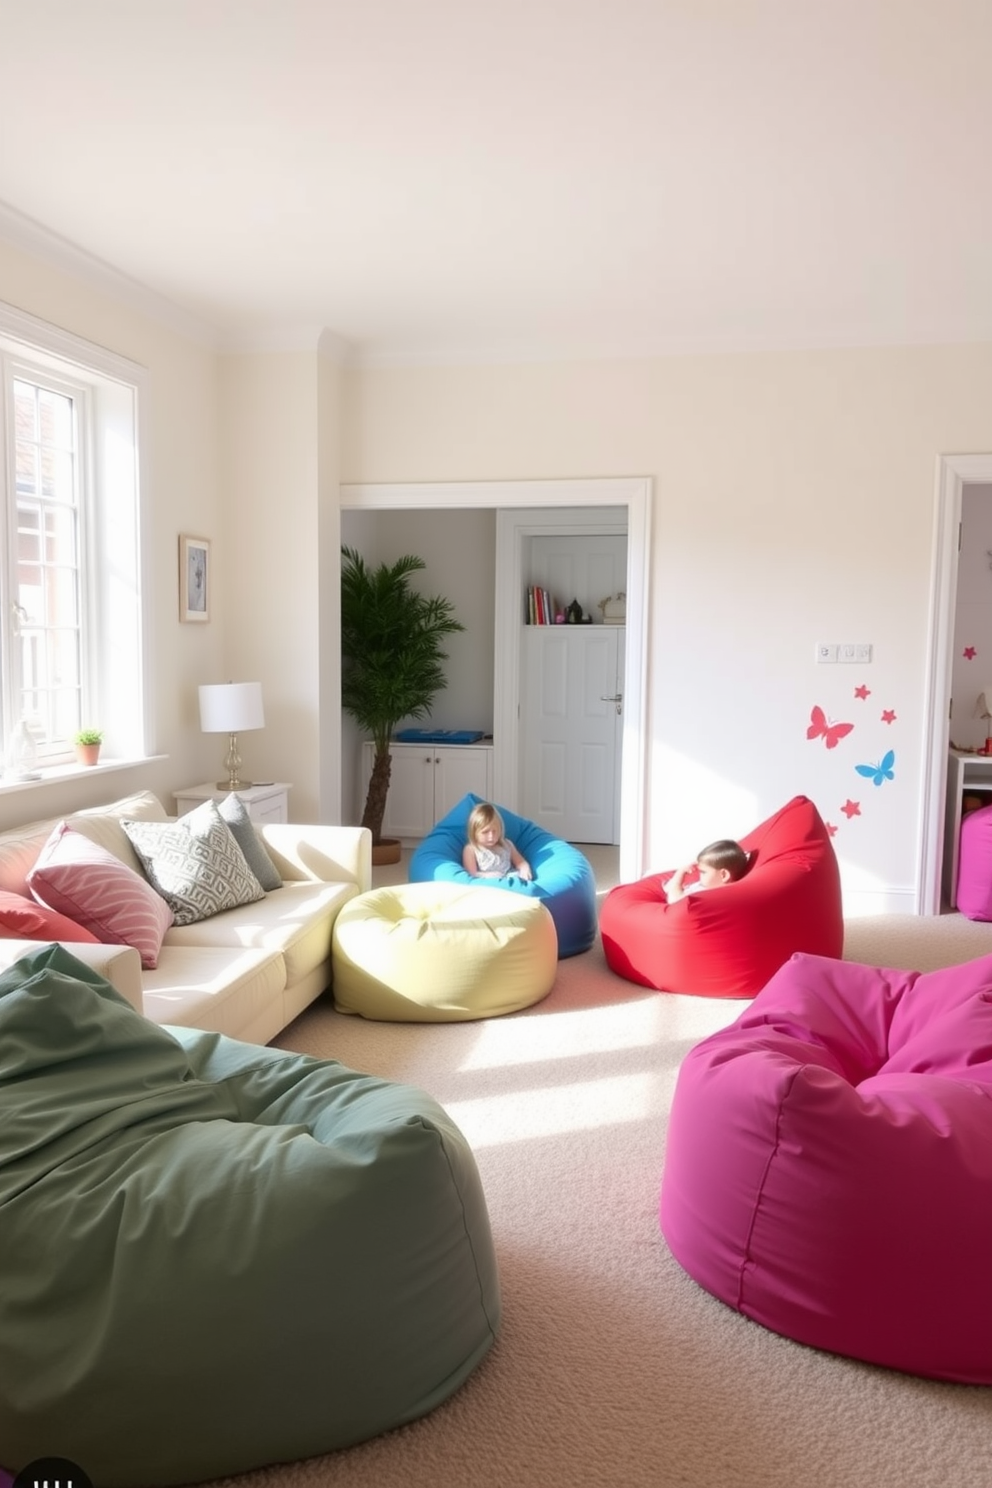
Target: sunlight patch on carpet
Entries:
(552, 1110)
(628, 1025)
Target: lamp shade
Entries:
(231, 707)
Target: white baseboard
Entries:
(859, 903)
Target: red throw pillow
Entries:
(23, 919)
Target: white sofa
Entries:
(246, 972)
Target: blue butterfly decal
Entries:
(882, 771)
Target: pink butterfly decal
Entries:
(830, 733)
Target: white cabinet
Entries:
(427, 780)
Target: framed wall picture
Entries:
(194, 578)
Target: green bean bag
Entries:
(216, 1256)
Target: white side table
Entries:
(265, 803)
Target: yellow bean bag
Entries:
(441, 952)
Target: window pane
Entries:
(60, 535)
(25, 410)
(57, 475)
(55, 417)
(47, 628)
(26, 456)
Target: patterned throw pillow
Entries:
(81, 879)
(235, 813)
(195, 864)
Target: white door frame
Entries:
(954, 472)
(633, 493)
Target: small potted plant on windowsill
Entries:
(87, 743)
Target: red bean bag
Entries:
(828, 1170)
(727, 942)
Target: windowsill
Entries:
(57, 774)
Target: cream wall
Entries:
(793, 503)
(271, 412)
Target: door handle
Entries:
(616, 697)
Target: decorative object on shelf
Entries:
(391, 660)
(613, 608)
(231, 708)
(21, 755)
(983, 709)
(573, 614)
(194, 578)
(87, 743)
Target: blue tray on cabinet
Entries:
(438, 736)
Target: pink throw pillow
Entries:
(78, 878)
(23, 919)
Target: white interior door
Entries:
(570, 729)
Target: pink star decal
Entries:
(851, 808)
(862, 692)
(888, 715)
(832, 829)
(969, 653)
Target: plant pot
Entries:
(87, 754)
(386, 850)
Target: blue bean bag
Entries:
(563, 877)
(216, 1256)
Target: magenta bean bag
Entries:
(829, 1164)
(974, 888)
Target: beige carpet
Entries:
(613, 1367)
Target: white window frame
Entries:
(111, 391)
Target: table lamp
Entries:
(232, 708)
(983, 709)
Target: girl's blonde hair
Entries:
(482, 816)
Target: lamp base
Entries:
(233, 785)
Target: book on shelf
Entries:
(541, 606)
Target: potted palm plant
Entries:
(391, 660)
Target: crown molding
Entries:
(275, 338)
(40, 242)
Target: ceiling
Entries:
(492, 179)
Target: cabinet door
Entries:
(410, 802)
(458, 772)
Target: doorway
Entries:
(633, 494)
(954, 472)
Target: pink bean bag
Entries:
(727, 942)
(974, 888)
(829, 1164)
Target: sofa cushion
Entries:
(296, 921)
(20, 846)
(205, 986)
(81, 879)
(26, 919)
(195, 864)
(234, 811)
